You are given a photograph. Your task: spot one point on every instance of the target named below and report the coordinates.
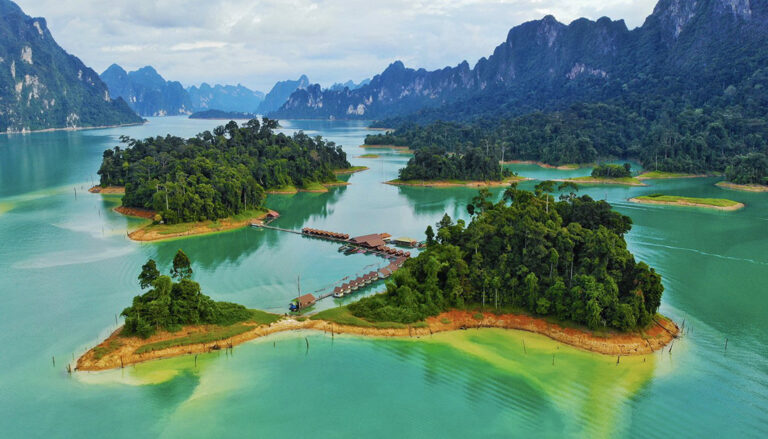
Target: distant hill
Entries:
(42, 86)
(686, 48)
(219, 114)
(349, 84)
(236, 98)
(148, 93)
(280, 93)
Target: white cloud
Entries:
(258, 43)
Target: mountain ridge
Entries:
(44, 87)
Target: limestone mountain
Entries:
(280, 93)
(42, 86)
(236, 98)
(148, 93)
(545, 65)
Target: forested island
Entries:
(433, 166)
(565, 259)
(661, 135)
(529, 262)
(220, 114)
(219, 174)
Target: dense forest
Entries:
(169, 305)
(218, 174)
(472, 164)
(564, 258)
(608, 170)
(661, 135)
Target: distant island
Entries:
(607, 174)
(747, 173)
(436, 168)
(573, 280)
(216, 180)
(224, 115)
(676, 200)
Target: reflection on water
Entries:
(67, 269)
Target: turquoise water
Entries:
(67, 268)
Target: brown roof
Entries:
(305, 300)
(372, 241)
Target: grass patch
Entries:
(478, 316)
(343, 316)
(180, 228)
(100, 351)
(287, 189)
(263, 317)
(350, 170)
(715, 202)
(606, 180)
(369, 156)
(661, 174)
(216, 334)
(445, 321)
(314, 187)
(420, 325)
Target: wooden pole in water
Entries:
(121, 362)
(726, 346)
(618, 357)
(524, 349)
(307, 340)
(553, 359)
(53, 358)
(195, 360)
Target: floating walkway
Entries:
(374, 244)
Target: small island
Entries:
(217, 180)
(608, 174)
(663, 175)
(676, 200)
(747, 173)
(573, 280)
(434, 167)
(222, 115)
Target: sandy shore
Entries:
(656, 337)
(650, 176)
(109, 190)
(736, 206)
(439, 184)
(158, 232)
(743, 187)
(351, 170)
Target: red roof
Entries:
(371, 241)
(305, 300)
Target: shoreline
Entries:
(592, 180)
(682, 203)
(566, 167)
(294, 190)
(149, 234)
(447, 183)
(658, 175)
(400, 149)
(50, 130)
(742, 187)
(350, 170)
(109, 190)
(656, 337)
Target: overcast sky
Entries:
(259, 42)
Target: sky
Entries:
(258, 42)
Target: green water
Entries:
(66, 269)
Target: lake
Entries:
(67, 269)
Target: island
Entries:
(748, 173)
(676, 200)
(222, 115)
(608, 174)
(662, 175)
(527, 262)
(434, 167)
(216, 180)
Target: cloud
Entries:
(258, 43)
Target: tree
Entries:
(182, 268)
(148, 274)
(430, 235)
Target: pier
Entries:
(373, 243)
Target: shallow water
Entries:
(67, 268)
